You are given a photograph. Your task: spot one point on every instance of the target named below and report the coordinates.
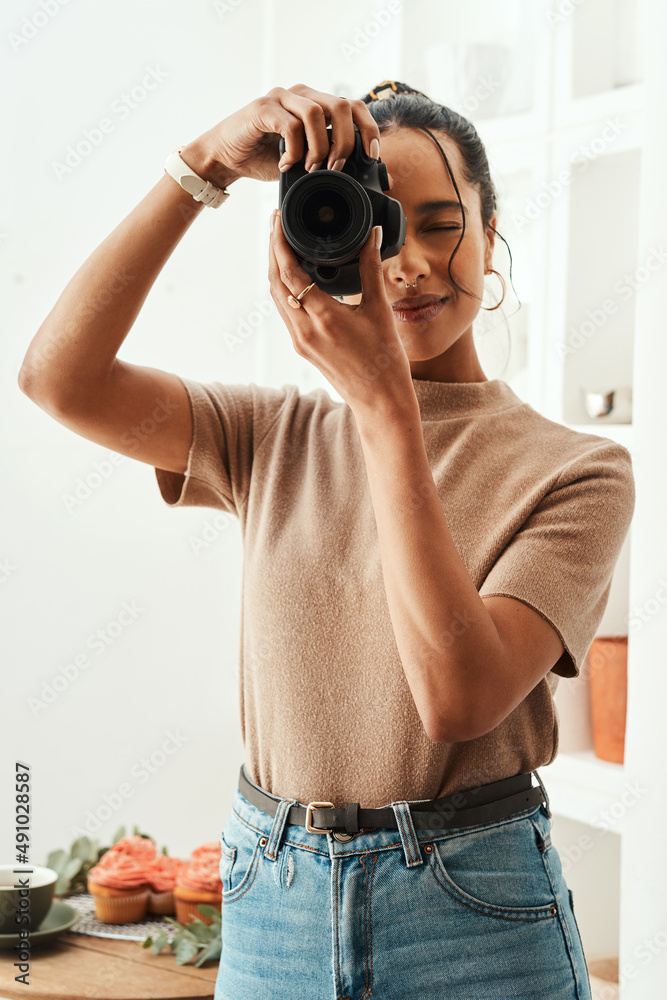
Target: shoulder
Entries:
(570, 453)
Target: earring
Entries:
(491, 308)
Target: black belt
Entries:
(477, 805)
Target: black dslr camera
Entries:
(327, 216)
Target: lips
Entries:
(416, 302)
(419, 309)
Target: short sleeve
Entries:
(561, 561)
(229, 422)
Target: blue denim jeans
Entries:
(478, 913)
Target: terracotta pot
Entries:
(607, 664)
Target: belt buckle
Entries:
(309, 809)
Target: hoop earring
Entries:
(491, 308)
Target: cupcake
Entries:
(119, 881)
(198, 881)
(162, 879)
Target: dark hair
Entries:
(394, 105)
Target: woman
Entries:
(422, 562)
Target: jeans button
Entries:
(342, 837)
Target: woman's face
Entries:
(418, 177)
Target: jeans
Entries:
(477, 913)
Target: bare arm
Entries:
(71, 369)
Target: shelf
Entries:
(584, 788)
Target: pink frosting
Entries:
(203, 869)
(164, 872)
(126, 865)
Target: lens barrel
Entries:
(327, 217)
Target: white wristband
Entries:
(191, 182)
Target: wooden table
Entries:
(80, 967)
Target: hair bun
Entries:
(390, 89)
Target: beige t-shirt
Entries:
(537, 512)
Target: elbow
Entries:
(28, 381)
(449, 728)
(25, 379)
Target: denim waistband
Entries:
(275, 830)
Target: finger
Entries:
(290, 273)
(313, 117)
(333, 109)
(305, 126)
(279, 294)
(370, 269)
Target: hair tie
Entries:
(390, 89)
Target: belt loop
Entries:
(272, 848)
(352, 817)
(544, 792)
(406, 829)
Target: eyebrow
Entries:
(436, 206)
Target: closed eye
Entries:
(435, 229)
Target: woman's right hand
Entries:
(246, 143)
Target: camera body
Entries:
(327, 216)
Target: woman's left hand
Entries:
(356, 347)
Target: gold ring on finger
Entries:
(295, 301)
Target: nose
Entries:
(408, 266)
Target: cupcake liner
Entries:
(186, 910)
(161, 902)
(126, 909)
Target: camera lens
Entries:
(327, 217)
(325, 214)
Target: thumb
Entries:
(370, 267)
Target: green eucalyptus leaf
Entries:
(212, 950)
(200, 930)
(208, 910)
(186, 950)
(62, 885)
(118, 835)
(81, 848)
(94, 852)
(160, 941)
(72, 867)
(56, 860)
